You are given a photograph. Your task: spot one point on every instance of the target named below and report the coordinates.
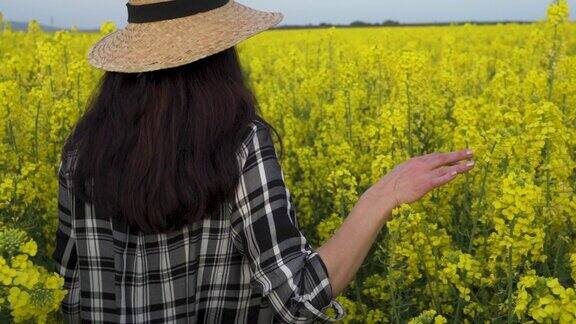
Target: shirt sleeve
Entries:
(65, 255)
(290, 273)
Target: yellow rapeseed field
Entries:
(496, 245)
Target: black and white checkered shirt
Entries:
(250, 265)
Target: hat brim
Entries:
(141, 47)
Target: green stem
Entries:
(12, 135)
(481, 204)
(510, 276)
(359, 296)
(349, 116)
(548, 176)
(552, 63)
(428, 279)
(36, 146)
(409, 119)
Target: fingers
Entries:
(435, 160)
(453, 167)
(441, 176)
(442, 180)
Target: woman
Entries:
(172, 202)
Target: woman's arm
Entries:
(346, 250)
(286, 270)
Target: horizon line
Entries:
(356, 23)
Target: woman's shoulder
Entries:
(67, 163)
(256, 137)
(258, 128)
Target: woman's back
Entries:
(247, 264)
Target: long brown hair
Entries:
(157, 149)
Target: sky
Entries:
(90, 13)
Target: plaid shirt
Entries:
(251, 264)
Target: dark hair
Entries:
(158, 149)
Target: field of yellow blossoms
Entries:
(496, 245)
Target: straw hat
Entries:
(167, 33)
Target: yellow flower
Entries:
(54, 282)
(29, 248)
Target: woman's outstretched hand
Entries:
(345, 251)
(412, 179)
